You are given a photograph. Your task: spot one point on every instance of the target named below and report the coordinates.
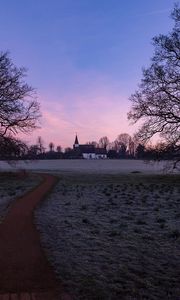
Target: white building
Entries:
(89, 151)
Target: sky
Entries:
(84, 58)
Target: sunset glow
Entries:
(84, 58)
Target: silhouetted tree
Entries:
(51, 146)
(40, 144)
(69, 153)
(121, 144)
(67, 149)
(59, 149)
(19, 110)
(132, 148)
(112, 154)
(12, 148)
(140, 151)
(122, 151)
(157, 101)
(33, 151)
(103, 142)
(93, 143)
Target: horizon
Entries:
(85, 59)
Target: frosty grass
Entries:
(114, 237)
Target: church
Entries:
(87, 151)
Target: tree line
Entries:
(123, 147)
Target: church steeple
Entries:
(76, 143)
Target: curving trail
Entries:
(24, 270)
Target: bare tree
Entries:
(157, 101)
(104, 142)
(40, 144)
(51, 146)
(67, 149)
(19, 109)
(33, 151)
(132, 148)
(93, 143)
(123, 140)
(59, 149)
(12, 148)
(140, 151)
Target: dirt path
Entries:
(24, 270)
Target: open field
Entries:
(112, 237)
(13, 186)
(109, 237)
(90, 166)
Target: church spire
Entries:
(76, 143)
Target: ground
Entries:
(109, 237)
(114, 237)
(100, 166)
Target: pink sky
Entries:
(95, 105)
(102, 111)
(85, 58)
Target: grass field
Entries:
(103, 166)
(114, 236)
